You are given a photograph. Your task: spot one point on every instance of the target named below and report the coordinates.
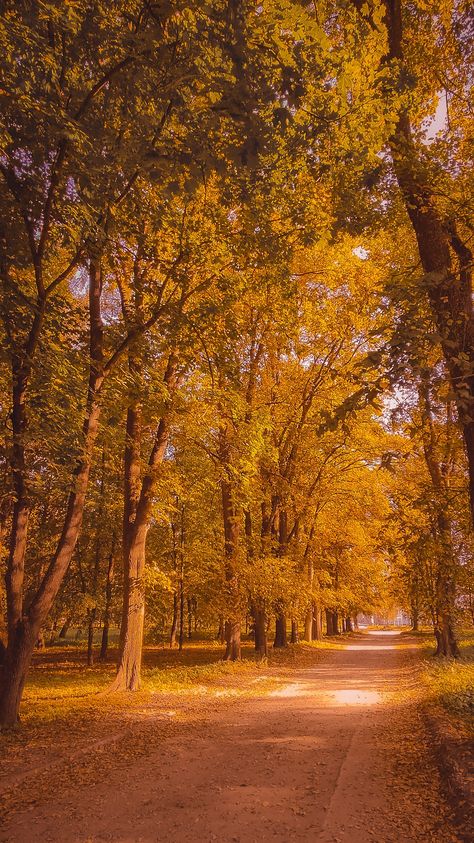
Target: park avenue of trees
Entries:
(237, 331)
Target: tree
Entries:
(425, 177)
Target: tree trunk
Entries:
(308, 625)
(220, 636)
(281, 639)
(17, 661)
(230, 516)
(232, 640)
(349, 624)
(260, 623)
(65, 628)
(181, 615)
(294, 631)
(21, 625)
(182, 553)
(190, 618)
(317, 631)
(128, 676)
(137, 517)
(329, 622)
(446, 642)
(92, 613)
(449, 287)
(174, 622)
(446, 563)
(90, 637)
(108, 601)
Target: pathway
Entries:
(336, 754)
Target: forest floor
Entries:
(324, 743)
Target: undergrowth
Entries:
(60, 685)
(449, 683)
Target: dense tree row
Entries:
(236, 308)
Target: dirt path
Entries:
(336, 753)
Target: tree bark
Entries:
(90, 637)
(128, 676)
(174, 621)
(221, 631)
(317, 632)
(108, 601)
(65, 628)
(25, 626)
(329, 622)
(446, 563)
(181, 615)
(281, 639)
(230, 514)
(449, 286)
(190, 618)
(260, 625)
(294, 632)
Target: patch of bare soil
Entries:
(331, 753)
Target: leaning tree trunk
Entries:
(18, 656)
(24, 626)
(24, 634)
(445, 258)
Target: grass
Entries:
(449, 684)
(65, 705)
(60, 685)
